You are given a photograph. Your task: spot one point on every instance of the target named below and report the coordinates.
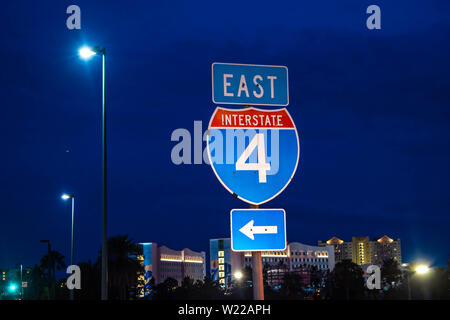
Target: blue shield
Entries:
(253, 152)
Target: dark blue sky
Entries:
(371, 108)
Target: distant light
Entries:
(86, 53)
(12, 287)
(422, 269)
(66, 196)
(238, 275)
(404, 264)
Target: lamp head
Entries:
(66, 196)
(422, 269)
(238, 275)
(86, 52)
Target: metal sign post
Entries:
(257, 272)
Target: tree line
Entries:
(126, 281)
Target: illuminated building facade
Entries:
(161, 263)
(342, 249)
(386, 248)
(223, 261)
(13, 276)
(180, 264)
(297, 257)
(362, 251)
(3, 274)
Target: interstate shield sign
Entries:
(253, 152)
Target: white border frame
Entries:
(272, 209)
(263, 110)
(251, 65)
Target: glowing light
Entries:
(66, 196)
(86, 53)
(422, 269)
(238, 275)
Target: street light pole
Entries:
(21, 281)
(104, 171)
(408, 275)
(71, 246)
(86, 53)
(67, 196)
(257, 272)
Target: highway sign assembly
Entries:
(248, 84)
(258, 229)
(253, 152)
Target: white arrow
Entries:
(249, 229)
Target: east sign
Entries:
(248, 84)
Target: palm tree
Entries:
(53, 262)
(56, 260)
(123, 266)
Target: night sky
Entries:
(371, 108)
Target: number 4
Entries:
(261, 165)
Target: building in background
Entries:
(162, 262)
(149, 258)
(14, 278)
(180, 264)
(386, 248)
(298, 258)
(342, 249)
(363, 251)
(223, 261)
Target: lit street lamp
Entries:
(421, 270)
(67, 196)
(86, 53)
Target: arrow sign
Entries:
(249, 230)
(258, 229)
